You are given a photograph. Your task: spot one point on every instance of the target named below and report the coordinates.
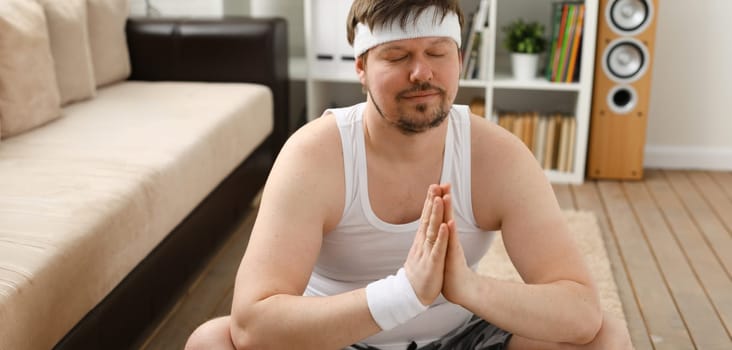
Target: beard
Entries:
(420, 118)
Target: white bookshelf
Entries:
(334, 82)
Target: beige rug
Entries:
(588, 236)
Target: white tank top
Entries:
(363, 248)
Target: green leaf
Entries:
(524, 37)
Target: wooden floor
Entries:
(670, 242)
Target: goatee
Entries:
(410, 125)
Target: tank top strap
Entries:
(460, 172)
(350, 127)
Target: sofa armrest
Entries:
(235, 49)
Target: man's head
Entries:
(412, 50)
(401, 19)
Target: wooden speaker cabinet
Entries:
(622, 82)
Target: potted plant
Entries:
(525, 41)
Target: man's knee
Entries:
(214, 334)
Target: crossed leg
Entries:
(613, 335)
(215, 334)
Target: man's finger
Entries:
(445, 188)
(437, 190)
(426, 213)
(440, 247)
(447, 200)
(453, 238)
(435, 220)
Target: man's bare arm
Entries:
(559, 301)
(269, 311)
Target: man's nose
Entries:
(421, 70)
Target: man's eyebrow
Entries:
(441, 40)
(397, 46)
(392, 47)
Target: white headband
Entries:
(424, 26)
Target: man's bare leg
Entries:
(612, 335)
(214, 334)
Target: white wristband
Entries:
(392, 300)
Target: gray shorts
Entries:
(477, 334)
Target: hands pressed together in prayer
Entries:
(436, 262)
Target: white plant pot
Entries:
(524, 65)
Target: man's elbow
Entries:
(242, 337)
(588, 326)
(243, 328)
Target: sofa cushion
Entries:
(106, 24)
(85, 198)
(28, 93)
(70, 48)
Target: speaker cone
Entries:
(629, 16)
(622, 99)
(625, 60)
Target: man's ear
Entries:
(361, 68)
(460, 58)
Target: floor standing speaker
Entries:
(622, 81)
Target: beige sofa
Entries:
(120, 169)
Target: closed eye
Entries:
(396, 58)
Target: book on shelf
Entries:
(572, 142)
(556, 19)
(540, 140)
(465, 30)
(477, 106)
(567, 37)
(474, 43)
(576, 40)
(471, 60)
(549, 143)
(559, 20)
(551, 138)
(565, 43)
(563, 144)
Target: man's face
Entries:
(413, 82)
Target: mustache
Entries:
(420, 87)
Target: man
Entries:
(347, 251)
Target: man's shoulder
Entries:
(498, 152)
(319, 136)
(308, 169)
(504, 172)
(314, 149)
(488, 137)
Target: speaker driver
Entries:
(625, 60)
(629, 16)
(622, 99)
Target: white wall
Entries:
(293, 11)
(690, 116)
(236, 7)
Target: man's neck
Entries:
(385, 140)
